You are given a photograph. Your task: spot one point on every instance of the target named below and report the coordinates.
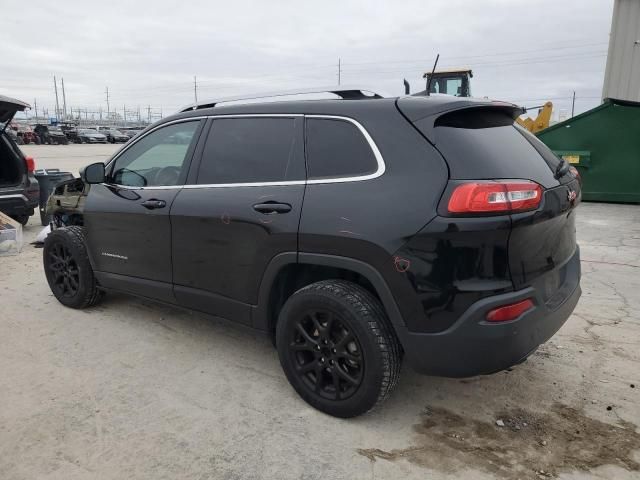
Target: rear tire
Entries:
(68, 270)
(337, 348)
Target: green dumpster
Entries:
(604, 145)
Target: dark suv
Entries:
(356, 231)
(19, 190)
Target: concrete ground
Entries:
(130, 389)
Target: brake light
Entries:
(509, 312)
(499, 196)
(31, 164)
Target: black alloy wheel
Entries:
(338, 348)
(64, 270)
(326, 354)
(68, 270)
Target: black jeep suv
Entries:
(356, 231)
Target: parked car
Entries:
(19, 191)
(88, 135)
(130, 133)
(27, 135)
(13, 133)
(51, 134)
(71, 132)
(115, 136)
(337, 227)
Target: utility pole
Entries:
(339, 70)
(149, 113)
(64, 101)
(124, 115)
(108, 109)
(35, 107)
(55, 87)
(573, 103)
(195, 91)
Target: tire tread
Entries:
(369, 309)
(75, 236)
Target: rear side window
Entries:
(337, 148)
(252, 150)
(485, 144)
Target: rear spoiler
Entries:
(8, 108)
(426, 111)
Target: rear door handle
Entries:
(270, 208)
(153, 203)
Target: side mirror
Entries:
(93, 173)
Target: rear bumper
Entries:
(20, 201)
(473, 346)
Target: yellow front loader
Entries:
(540, 122)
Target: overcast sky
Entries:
(147, 52)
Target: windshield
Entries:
(88, 130)
(115, 132)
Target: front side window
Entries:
(337, 149)
(158, 159)
(252, 150)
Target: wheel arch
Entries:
(288, 272)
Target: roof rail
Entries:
(345, 92)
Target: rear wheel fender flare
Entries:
(260, 314)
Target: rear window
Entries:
(337, 149)
(487, 144)
(252, 150)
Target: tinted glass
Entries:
(252, 150)
(484, 144)
(157, 159)
(337, 148)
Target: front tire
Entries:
(67, 268)
(337, 348)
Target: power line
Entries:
(379, 62)
(530, 61)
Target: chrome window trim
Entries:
(374, 148)
(376, 153)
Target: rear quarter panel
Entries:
(370, 220)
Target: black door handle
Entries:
(270, 208)
(152, 204)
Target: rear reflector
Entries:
(31, 164)
(500, 196)
(509, 312)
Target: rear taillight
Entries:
(495, 196)
(31, 164)
(509, 312)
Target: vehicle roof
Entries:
(450, 70)
(413, 107)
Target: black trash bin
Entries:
(48, 179)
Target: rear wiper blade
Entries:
(562, 169)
